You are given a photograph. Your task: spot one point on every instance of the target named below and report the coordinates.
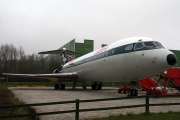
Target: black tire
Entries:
(99, 86)
(131, 92)
(62, 86)
(93, 86)
(135, 92)
(56, 86)
(119, 91)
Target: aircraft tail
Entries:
(64, 54)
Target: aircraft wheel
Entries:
(135, 92)
(119, 91)
(93, 86)
(62, 86)
(99, 86)
(56, 86)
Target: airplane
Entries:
(126, 60)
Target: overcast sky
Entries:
(38, 25)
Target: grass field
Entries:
(51, 84)
(144, 116)
(7, 99)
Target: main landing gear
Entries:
(83, 85)
(133, 92)
(96, 86)
(59, 86)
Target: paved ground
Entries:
(48, 94)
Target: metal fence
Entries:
(77, 102)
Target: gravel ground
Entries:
(48, 94)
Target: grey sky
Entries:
(38, 25)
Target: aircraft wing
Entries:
(45, 76)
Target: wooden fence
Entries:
(77, 102)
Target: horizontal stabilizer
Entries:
(69, 52)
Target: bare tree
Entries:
(16, 61)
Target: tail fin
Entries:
(63, 52)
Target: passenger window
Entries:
(106, 53)
(129, 47)
(138, 45)
(149, 44)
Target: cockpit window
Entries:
(158, 45)
(149, 44)
(138, 45)
(129, 47)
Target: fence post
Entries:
(147, 103)
(77, 110)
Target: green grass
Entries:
(51, 84)
(7, 98)
(14, 84)
(143, 116)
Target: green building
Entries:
(84, 48)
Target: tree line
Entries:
(15, 60)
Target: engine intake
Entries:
(56, 71)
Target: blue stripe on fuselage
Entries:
(111, 52)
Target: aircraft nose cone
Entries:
(171, 59)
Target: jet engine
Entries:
(56, 71)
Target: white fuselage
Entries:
(121, 61)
